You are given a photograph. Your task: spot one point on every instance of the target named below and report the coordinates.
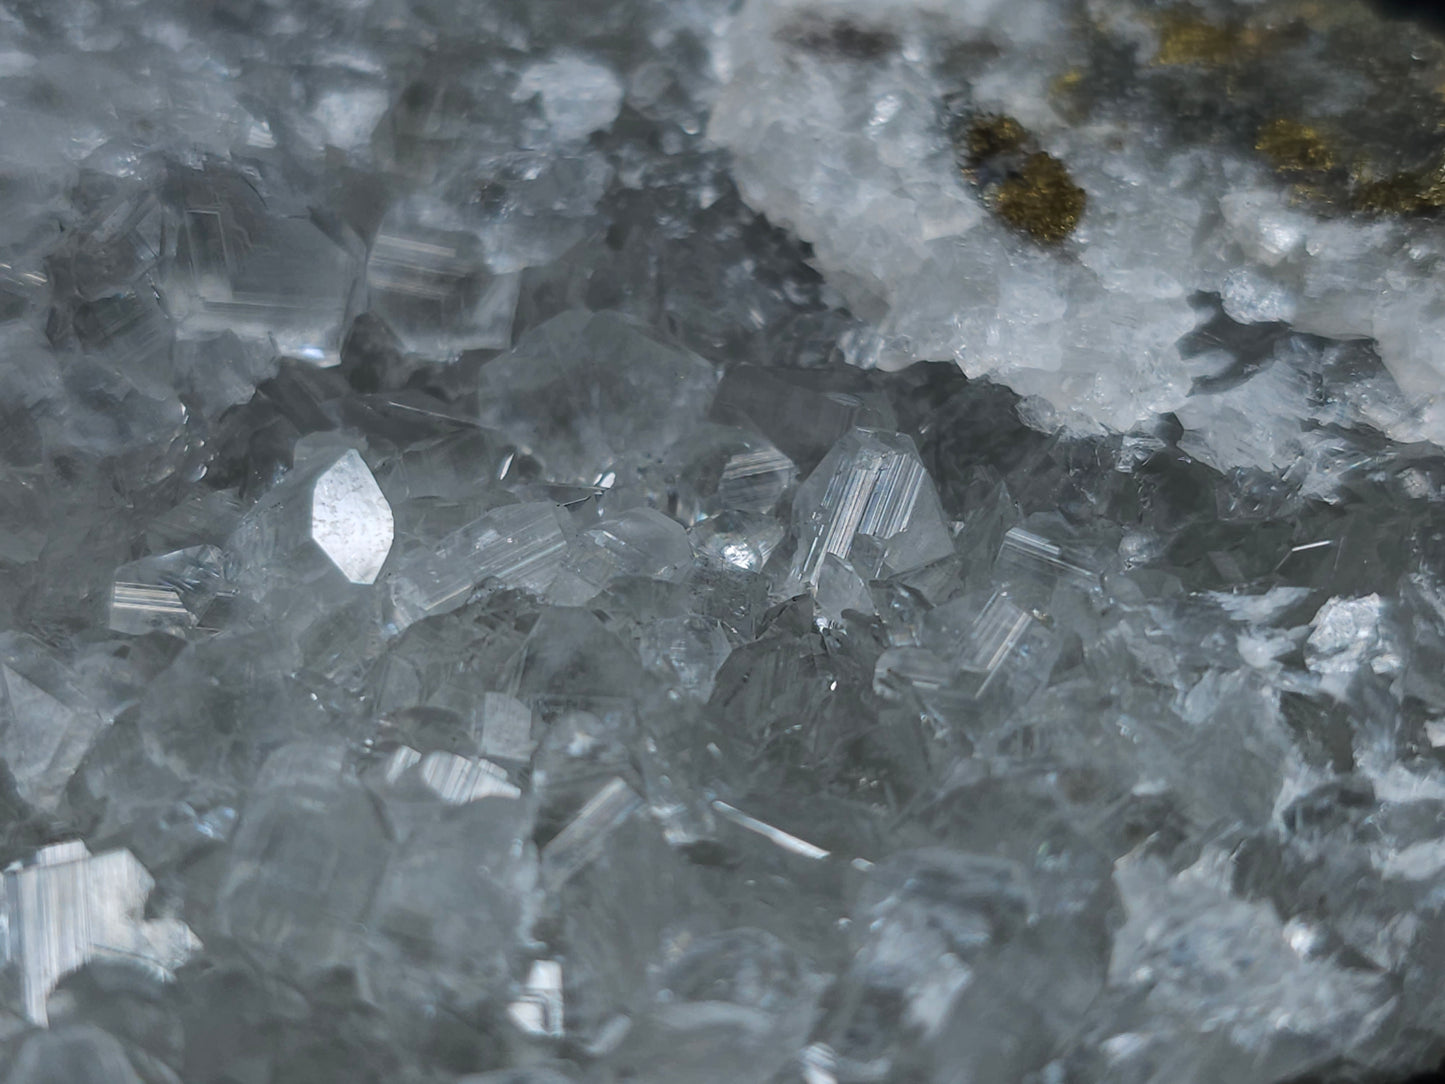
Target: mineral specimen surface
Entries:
(710, 542)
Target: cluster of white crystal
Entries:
(854, 155)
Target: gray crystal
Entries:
(307, 855)
(761, 542)
(506, 727)
(77, 1055)
(579, 842)
(47, 720)
(587, 393)
(640, 542)
(240, 268)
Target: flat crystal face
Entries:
(709, 542)
(351, 520)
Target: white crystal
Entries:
(351, 520)
(579, 96)
(65, 907)
(457, 780)
(854, 155)
(539, 1009)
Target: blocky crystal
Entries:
(47, 720)
(328, 514)
(519, 546)
(869, 503)
(433, 288)
(66, 906)
(172, 592)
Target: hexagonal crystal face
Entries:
(351, 520)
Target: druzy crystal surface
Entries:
(715, 542)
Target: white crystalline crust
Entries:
(854, 157)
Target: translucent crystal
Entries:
(689, 650)
(172, 592)
(737, 539)
(772, 834)
(869, 503)
(66, 906)
(328, 514)
(839, 589)
(454, 904)
(801, 422)
(520, 546)
(1006, 645)
(241, 268)
(755, 481)
(1029, 557)
(579, 842)
(730, 1005)
(433, 288)
(588, 393)
(506, 727)
(1348, 635)
(47, 720)
(307, 855)
(579, 96)
(640, 542)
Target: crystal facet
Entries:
(66, 907)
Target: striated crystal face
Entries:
(66, 907)
(871, 505)
(709, 542)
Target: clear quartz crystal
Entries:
(239, 267)
(756, 480)
(639, 542)
(66, 906)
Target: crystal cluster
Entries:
(709, 543)
(1042, 191)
